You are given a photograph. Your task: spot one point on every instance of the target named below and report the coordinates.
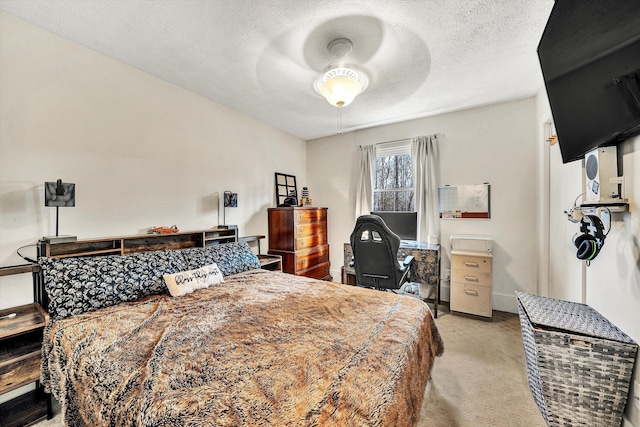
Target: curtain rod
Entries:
(437, 135)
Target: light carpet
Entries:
(481, 379)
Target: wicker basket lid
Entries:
(569, 316)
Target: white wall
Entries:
(494, 144)
(611, 284)
(565, 273)
(142, 152)
(613, 278)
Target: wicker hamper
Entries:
(579, 364)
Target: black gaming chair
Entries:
(375, 255)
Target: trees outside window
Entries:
(393, 190)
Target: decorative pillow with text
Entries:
(185, 282)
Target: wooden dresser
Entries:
(299, 236)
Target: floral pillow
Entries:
(231, 258)
(79, 285)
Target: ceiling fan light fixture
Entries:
(340, 84)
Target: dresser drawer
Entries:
(310, 229)
(472, 299)
(471, 276)
(320, 271)
(305, 216)
(17, 374)
(471, 263)
(310, 257)
(311, 241)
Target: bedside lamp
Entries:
(230, 201)
(59, 194)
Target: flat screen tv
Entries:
(590, 58)
(404, 224)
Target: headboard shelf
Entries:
(218, 236)
(138, 243)
(81, 248)
(159, 242)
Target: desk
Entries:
(425, 269)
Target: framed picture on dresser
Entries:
(285, 186)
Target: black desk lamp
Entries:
(59, 194)
(230, 201)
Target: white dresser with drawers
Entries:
(471, 275)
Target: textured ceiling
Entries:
(423, 57)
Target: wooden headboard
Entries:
(137, 243)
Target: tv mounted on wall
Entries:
(590, 59)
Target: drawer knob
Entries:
(471, 278)
(304, 261)
(471, 264)
(301, 229)
(470, 292)
(302, 243)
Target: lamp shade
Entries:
(59, 194)
(340, 91)
(230, 199)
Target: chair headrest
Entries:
(379, 223)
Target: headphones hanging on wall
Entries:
(592, 238)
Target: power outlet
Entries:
(636, 395)
(447, 274)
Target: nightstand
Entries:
(471, 283)
(270, 262)
(20, 357)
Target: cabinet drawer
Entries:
(305, 216)
(468, 262)
(19, 373)
(470, 276)
(309, 258)
(320, 271)
(310, 229)
(472, 299)
(311, 241)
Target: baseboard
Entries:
(505, 302)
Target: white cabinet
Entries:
(471, 281)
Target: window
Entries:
(393, 187)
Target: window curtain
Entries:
(426, 173)
(364, 193)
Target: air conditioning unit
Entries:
(601, 165)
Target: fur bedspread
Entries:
(262, 349)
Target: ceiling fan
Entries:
(340, 82)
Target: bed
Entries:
(260, 348)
